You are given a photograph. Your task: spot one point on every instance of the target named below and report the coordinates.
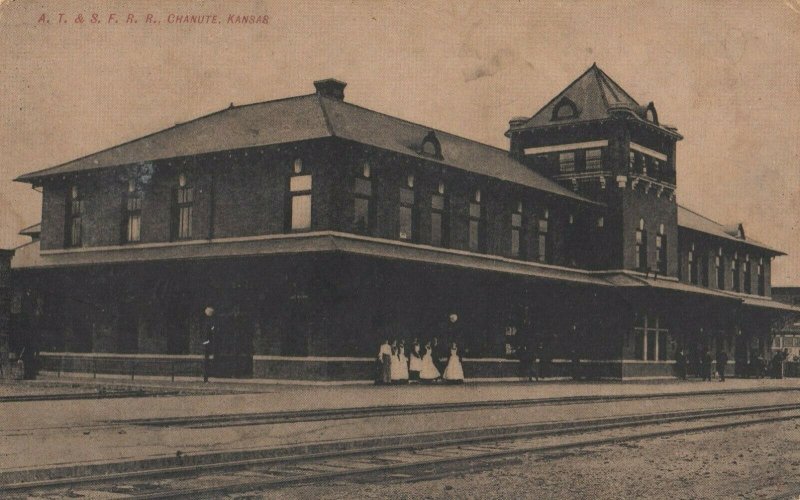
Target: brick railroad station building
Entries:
(316, 228)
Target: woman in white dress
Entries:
(394, 367)
(454, 373)
(428, 373)
(402, 361)
(414, 362)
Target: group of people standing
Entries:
(705, 364)
(424, 364)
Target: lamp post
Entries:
(209, 312)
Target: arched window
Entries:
(299, 209)
(517, 248)
(641, 247)
(735, 272)
(133, 212)
(719, 262)
(748, 285)
(661, 250)
(692, 266)
(761, 290)
(542, 236)
(565, 109)
(476, 223)
(431, 146)
(363, 210)
(439, 220)
(406, 218)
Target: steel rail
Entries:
(430, 442)
(281, 417)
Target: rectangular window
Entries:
(542, 237)
(74, 237)
(476, 224)
(761, 290)
(438, 220)
(720, 272)
(661, 254)
(566, 162)
(516, 232)
(185, 202)
(650, 339)
(594, 159)
(362, 205)
(133, 207)
(704, 269)
(406, 219)
(300, 206)
(735, 275)
(748, 285)
(641, 250)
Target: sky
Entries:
(726, 74)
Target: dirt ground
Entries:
(758, 461)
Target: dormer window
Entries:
(431, 146)
(650, 114)
(565, 109)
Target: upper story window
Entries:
(748, 283)
(661, 250)
(183, 209)
(702, 271)
(594, 159)
(692, 266)
(133, 212)
(363, 209)
(719, 263)
(517, 248)
(299, 217)
(476, 223)
(543, 254)
(74, 218)
(566, 162)
(735, 272)
(406, 219)
(761, 281)
(439, 207)
(641, 246)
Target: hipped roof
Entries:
(304, 118)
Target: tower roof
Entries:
(592, 96)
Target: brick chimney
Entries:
(330, 88)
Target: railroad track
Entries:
(283, 417)
(411, 452)
(23, 398)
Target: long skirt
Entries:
(386, 369)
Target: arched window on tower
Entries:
(661, 250)
(641, 247)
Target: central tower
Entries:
(595, 139)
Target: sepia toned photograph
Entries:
(376, 249)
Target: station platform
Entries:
(41, 436)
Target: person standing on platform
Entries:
(402, 360)
(525, 362)
(414, 362)
(454, 373)
(680, 364)
(394, 366)
(706, 365)
(384, 363)
(722, 364)
(429, 372)
(439, 354)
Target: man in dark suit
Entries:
(722, 363)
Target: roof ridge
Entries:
(562, 92)
(598, 77)
(438, 131)
(617, 85)
(22, 177)
(701, 215)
